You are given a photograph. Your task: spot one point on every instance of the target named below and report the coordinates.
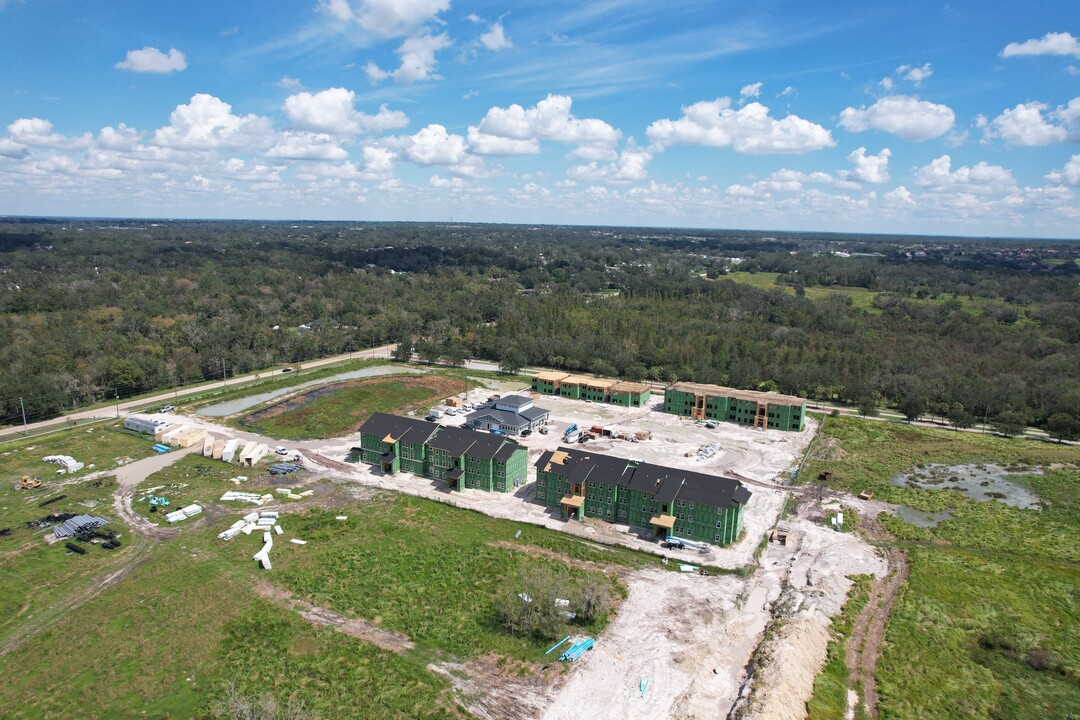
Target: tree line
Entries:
(968, 330)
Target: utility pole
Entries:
(117, 392)
(26, 430)
(224, 379)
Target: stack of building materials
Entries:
(245, 453)
(235, 529)
(192, 436)
(219, 447)
(208, 446)
(256, 454)
(160, 448)
(73, 526)
(228, 452)
(233, 495)
(169, 437)
(577, 650)
(183, 513)
(284, 468)
(67, 463)
(263, 556)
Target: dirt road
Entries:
(868, 633)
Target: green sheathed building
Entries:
(615, 392)
(669, 501)
(463, 458)
(765, 410)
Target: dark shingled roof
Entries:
(397, 427)
(506, 451)
(454, 441)
(665, 483)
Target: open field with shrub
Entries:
(35, 573)
(165, 642)
(985, 626)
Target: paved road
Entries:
(171, 395)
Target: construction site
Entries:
(696, 497)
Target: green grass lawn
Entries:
(163, 642)
(35, 573)
(986, 625)
(430, 571)
(344, 407)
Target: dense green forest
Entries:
(964, 328)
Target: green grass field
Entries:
(860, 297)
(345, 406)
(985, 626)
(35, 573)
(428, 570)
(163, 642)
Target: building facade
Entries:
(576, 387)
(463, 458)
(768, 411)
(512, 414)
(667, 501)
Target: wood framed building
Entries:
(578, 387)
(765, 410)
(664, 500)
(463, 458)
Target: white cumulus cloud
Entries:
(495, 38)
(207, 123)
(302, 145)
(1069, 174)
(418, 60)
(979, 178)
(151, 60)
(549, 119)
(749, 129)
(916, 74)
(869, 168)
(385, 18)
(1052, 43)
(1026, 125)
(906, 117)
(332, 111)
(752, 90)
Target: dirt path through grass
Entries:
(864, 645)
(353, 627)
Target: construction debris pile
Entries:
(253, 498)
(68, 464)
(268, 522)
(72, 526)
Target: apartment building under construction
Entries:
(765, 410)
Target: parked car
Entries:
(167, 408)
(280, 450)
(451, 411)
(431, 418)
(286, 369)
(526, 432)
(543, 431)
(712, 424)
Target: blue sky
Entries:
(925, 117)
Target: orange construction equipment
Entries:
(28, 483)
